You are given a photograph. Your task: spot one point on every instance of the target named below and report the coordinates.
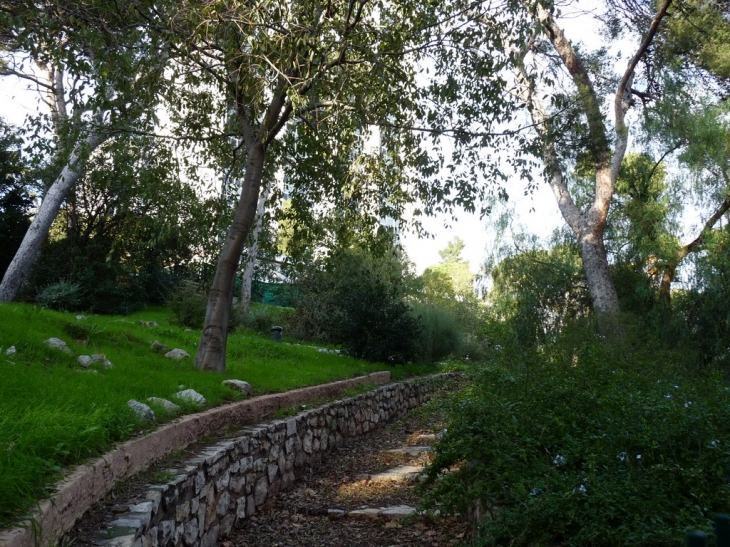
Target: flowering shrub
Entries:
(600, 444)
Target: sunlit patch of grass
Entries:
(53, 413)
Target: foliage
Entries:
(54, 415)
(187, 303)
(15, 201)
(356, 299)
(440, 336)
(62, 296)
(587, 443)
(128, 231)
(538, 292)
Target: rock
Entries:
(164, 403)
(159, 347)
(190, 395)
(57, 343)
(102, 360)
(141, 410)
(10, 351)
(177, 354)
(84, 360)
(239, 385)
(148, 323)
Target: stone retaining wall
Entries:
(230, 481)
(88, 483)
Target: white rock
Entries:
(177, 354)
(85, 360)
(141, 410)
(10, 351)
(164, 403)
(240, 385)
(102, 360)
(190, 395)
(57, 343)
(148, 323)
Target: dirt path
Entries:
(342, 503)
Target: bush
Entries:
(591, 444)
(188, 305)
(62, 296)
(357, 300)
(439, 336)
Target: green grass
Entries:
(54, 414)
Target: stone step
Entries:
(402, 473)
(411, 450)
(393, 513)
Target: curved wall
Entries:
(230, 481)
(89, 483)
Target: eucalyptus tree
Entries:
(96, 71)
(546, 103)
(333, 67)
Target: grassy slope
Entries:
(54, 414)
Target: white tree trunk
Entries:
(47, 212)
(247, 281)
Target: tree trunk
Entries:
(211, 353)
(665, 288)
(38, 230)
(600, 285)
(247, 281)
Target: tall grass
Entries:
(53, 413)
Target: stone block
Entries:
(224, 499)
(191, 533)
(210, 538)
(261, 491)
(271, 471)
(227, 524)
(182, 512)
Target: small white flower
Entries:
(676, 387)
(534, 492)
(559, 460)
(714, 443)
(667, 396)
(622, 456)
(498, 348)
(686, 405)
(638, 456)
(581, 489)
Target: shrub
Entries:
(62, 296)
(188, 304)
(590, 444)
(439, 336)
(357, 300)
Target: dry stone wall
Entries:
(231, 480)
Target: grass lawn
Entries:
(53, 413)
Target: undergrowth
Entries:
(586, 442)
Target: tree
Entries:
(588, 224)
(15, 201)
(96, 71)
(270, 63)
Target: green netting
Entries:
(274, 294)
